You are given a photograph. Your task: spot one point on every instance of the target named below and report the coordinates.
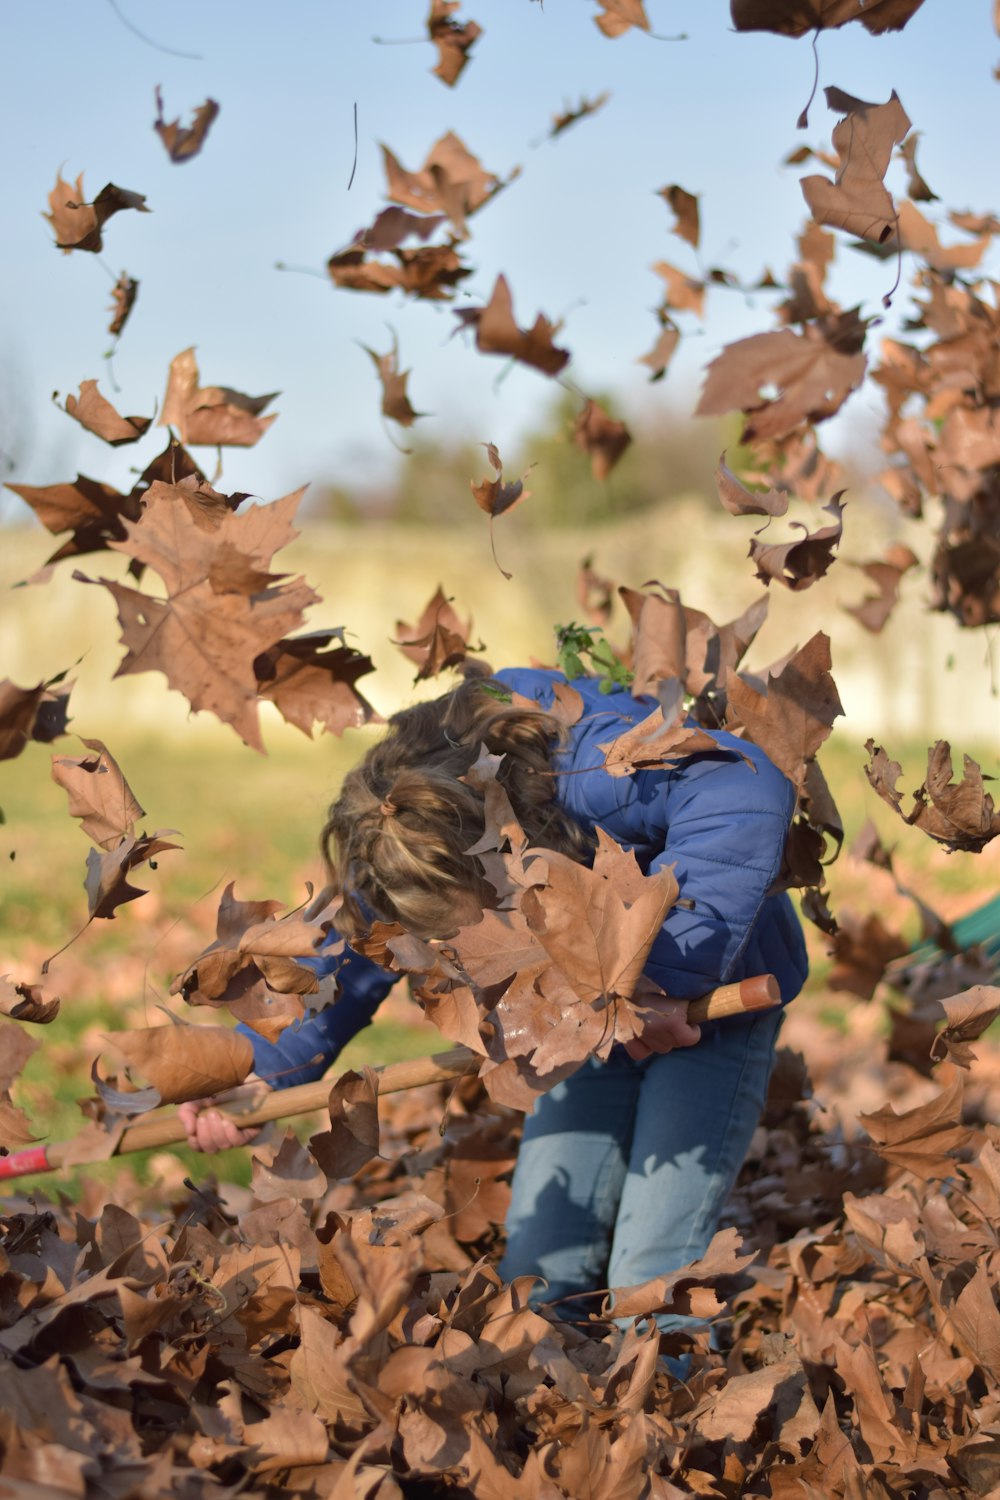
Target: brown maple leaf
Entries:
(430, 273)
(98, 794)
(183, 142)
(216, 620)
(498, 333)
(916, 187)
(799, 564)
(452, 38)
(451, 181)
(960, 815)
(97, 415)
(107, 883)
(395, 401)
(183, 1062)
(653, 743)
(495, 497)
(739, 501)
(687, 224)
(310, 680)
(858, 200)
(353, 1137)
(26, 1002)
(123, 295)
(601, 437)
(922, 1139)
(862, 949)
(439, 639)
(77, 225)
(967, 1016)
(886, 573)
(37, 713)
(213, 414)
(658, 358)
(619, 16)
(683, 293)
(392, 226)
(794, 717)
(799, 17)
(812, 376)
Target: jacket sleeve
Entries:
(306, 1049)
(724, 826)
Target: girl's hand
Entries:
(208, 1129)
(664, 1024)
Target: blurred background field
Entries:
(255, 819)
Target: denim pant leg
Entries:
(697, 1111)
(569, 1176)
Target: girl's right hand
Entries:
(208, 1129)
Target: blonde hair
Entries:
(398, 834)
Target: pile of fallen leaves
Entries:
(315, 1338)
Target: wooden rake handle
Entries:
(759, 993)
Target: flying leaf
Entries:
(353, 1137)
(798, 565)
(214, 622)
(569, 116)
(451, 181)
(687, 224)
(495, 497)
(497, 332)
(875, 609)
(37, 713)
(809, 376)
(967, 1016)
(98, 793)
(791, 721)
(601, 437)
(183, 142)
(916, 187)
(394, 225)
(26, 1002)
(123, 295)
(858, 200)
(921, 1139)
(310, 680)
(97, 415)
(619, 16)
(430, 273)
(213, 414)
(453, 39)
(960, 815)
(107, 883)
(683, 292)
(653, 743)
(739, 501)
(186, 1062)
(395, 402)
(438, 640)
(77, 225)
(799, 17)
(658, 358)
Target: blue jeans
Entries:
(625, 1167)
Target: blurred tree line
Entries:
(671, 455)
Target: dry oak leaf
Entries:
(569, 116)
(813, 378)
(796, 715)
(799, 17)
(597, 924)
(453, 39)
(183, 142)
(798, 565)
(739, 501)
(858, 200)
(106, 882)
(451, 181)
(497, 332)
(653, 743)
(97, 415)
(123, 295)
(960, 815)
(685, 207)
(98, 794)
(77, 225)
(967, 1016)
(214, 414)
(395, 402)
(601, 437)
(885, 574)
(921, 1140)
(183, 1062)
(353, 1137)
(216, 620)
(37, 713)
(619, 16)
(438, 640)
(310, 680)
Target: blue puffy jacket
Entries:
(719, 822)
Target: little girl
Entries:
(626, 1165)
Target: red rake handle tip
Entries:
(23, 1163)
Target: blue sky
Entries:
(576, 234)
